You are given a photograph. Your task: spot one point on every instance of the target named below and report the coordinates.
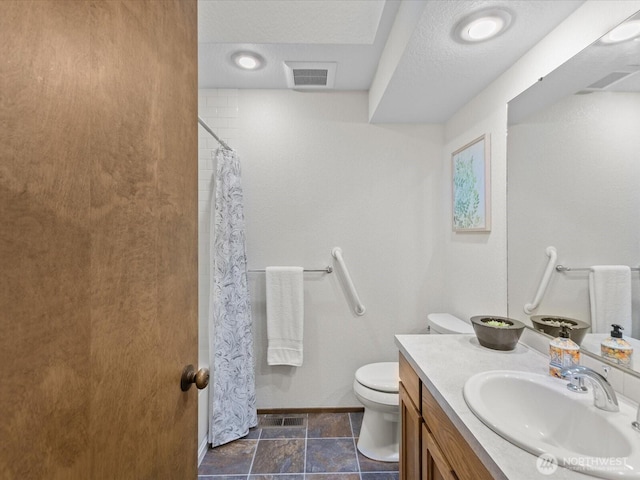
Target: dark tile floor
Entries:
(322, 446)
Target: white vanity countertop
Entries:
(444, 363)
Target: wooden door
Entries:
(98, 238)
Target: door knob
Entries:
(189, 376)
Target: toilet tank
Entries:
(445, 323)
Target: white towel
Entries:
(610, 297)
(285, 315)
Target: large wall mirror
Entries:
(574, 183)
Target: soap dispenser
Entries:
(563, 353)
(617, 349)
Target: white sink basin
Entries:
(538, 413)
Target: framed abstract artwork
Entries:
(471, 188)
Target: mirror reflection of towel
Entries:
(285, 315)
(610, 297)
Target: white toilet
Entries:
(376, 387)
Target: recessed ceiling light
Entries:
(248, 60)
(623, 32)
(484, 28)
(482, 25)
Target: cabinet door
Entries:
(434, 464)
(410, 445)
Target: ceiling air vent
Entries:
(310, 75)
(613, 77)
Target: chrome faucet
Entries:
(636, 424)
(604, 397)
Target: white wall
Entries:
(317, 175)
(476, 269)
(573, 184)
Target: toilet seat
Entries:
(381, 377)
(367, 396)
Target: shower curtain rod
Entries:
(206, 127)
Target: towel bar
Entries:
(323, 270)
(562, 268)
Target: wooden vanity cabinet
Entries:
(431, 447)
(434, 464)
(410, 444)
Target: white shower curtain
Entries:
(232, 394)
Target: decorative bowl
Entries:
(551, 325)
(497, 333)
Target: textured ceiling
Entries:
(437, 74)
(405, 49)
(285, 21)
(323, 39)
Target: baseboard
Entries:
(202, 450)
(265, 411)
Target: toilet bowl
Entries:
(376, 387)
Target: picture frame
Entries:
(471, 186)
